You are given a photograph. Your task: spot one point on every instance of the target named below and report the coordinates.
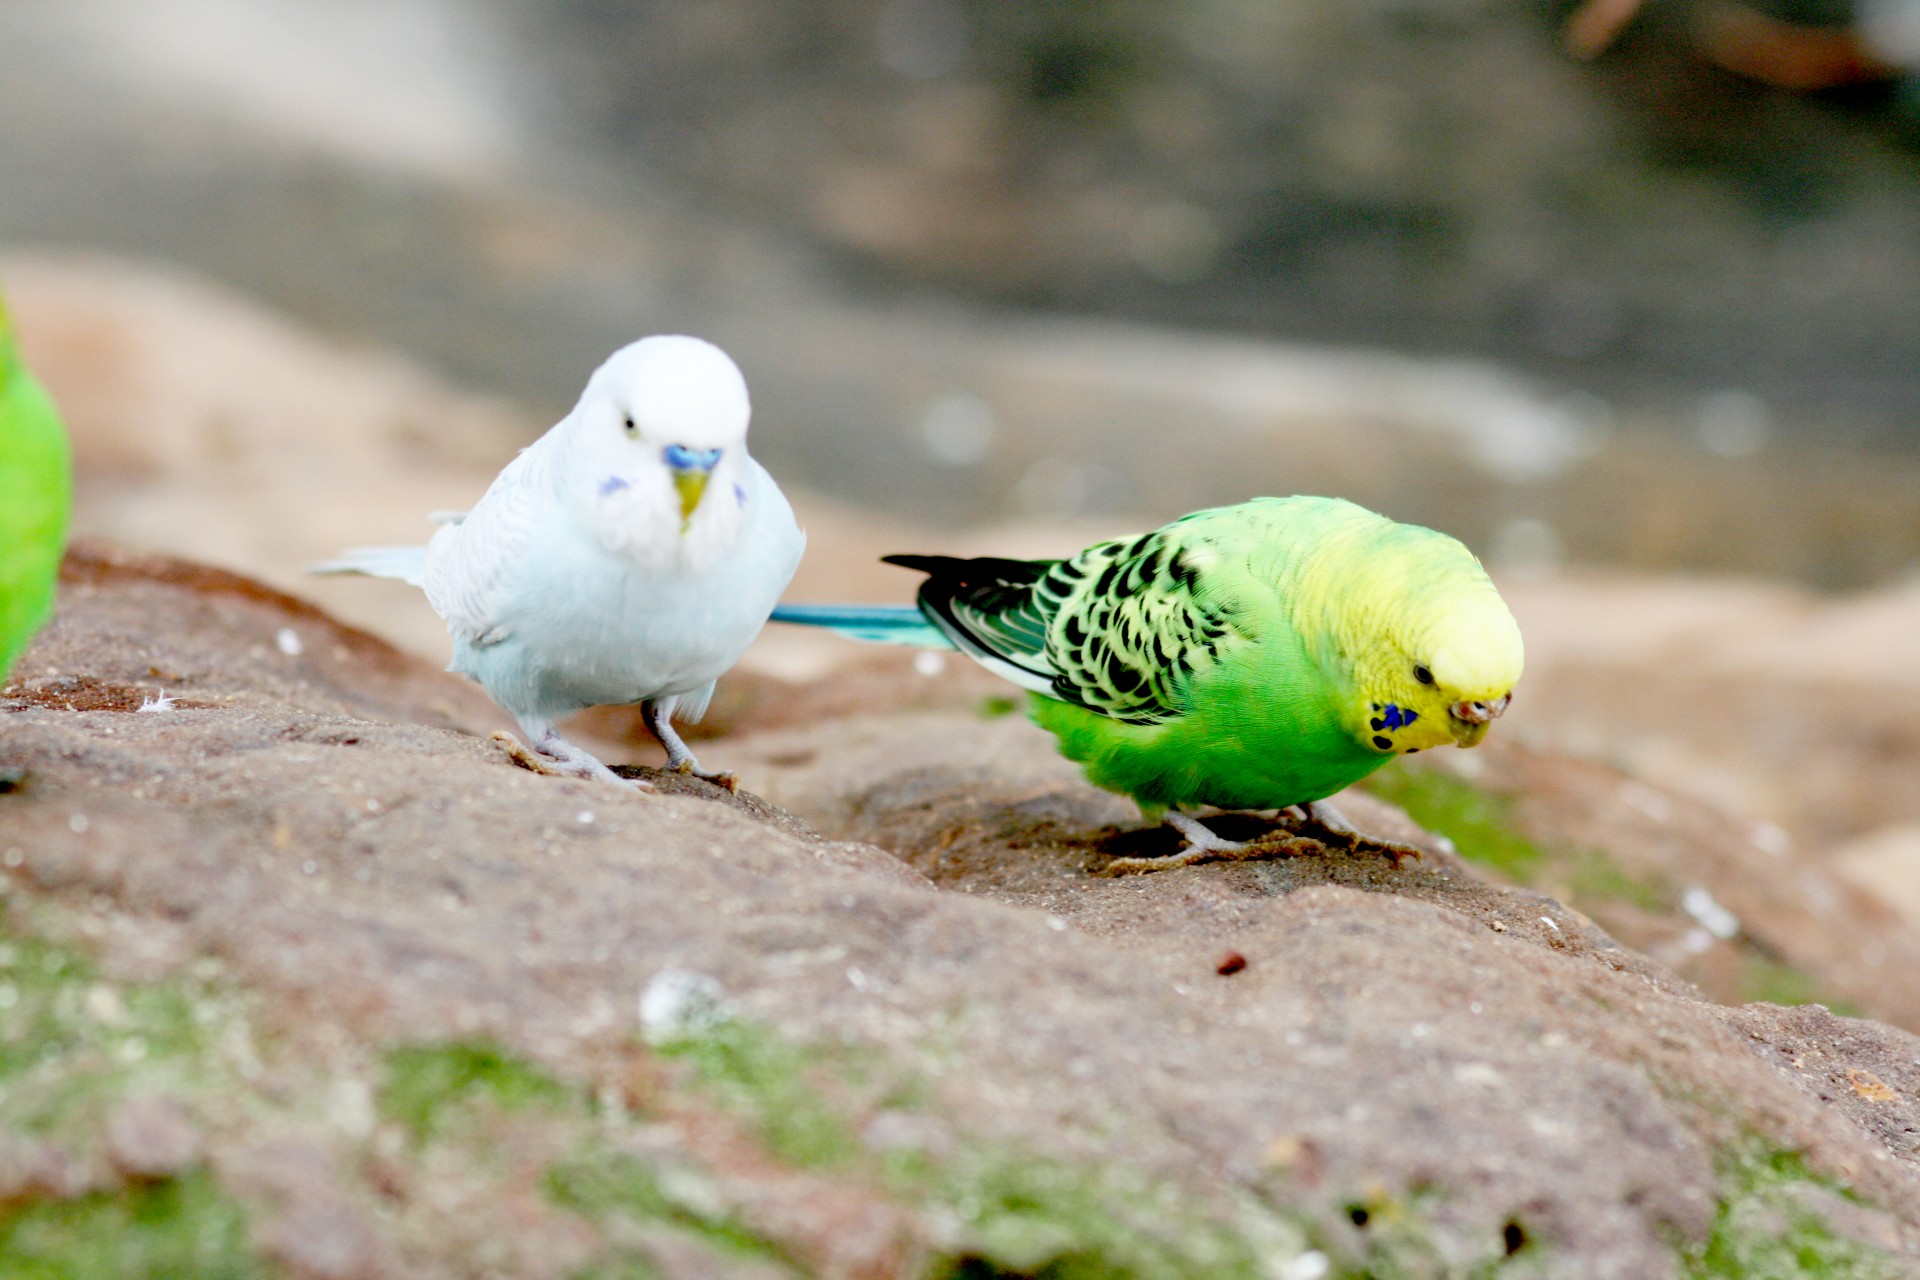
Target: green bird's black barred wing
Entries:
(1121, 628)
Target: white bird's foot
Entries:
(720, 778)
(558, 758)
(679, 759)
(1204, 846)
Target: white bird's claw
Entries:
(558, 758)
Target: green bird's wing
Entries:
(34, 496)
(1121, 629)
(992, 610)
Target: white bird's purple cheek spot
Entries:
(612, 485)
(740, 494)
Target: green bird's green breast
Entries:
(1262, 730)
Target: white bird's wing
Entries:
(472, 564)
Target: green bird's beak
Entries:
(1471, 720)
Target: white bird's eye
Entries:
(631, 430)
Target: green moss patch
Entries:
(423, 1085)
(1767, 1229)
(72, 1046)
(1480, 825)
(985, 1209)
(599, 1183)
(1764, 978)
(776, 1085)
(176, 1227)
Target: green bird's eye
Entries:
(1423, 675)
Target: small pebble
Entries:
(151, 1137)
(1230, 963)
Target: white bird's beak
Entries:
(691, 469)
(691, 485)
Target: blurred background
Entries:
(1625, 295)
(1608, 282)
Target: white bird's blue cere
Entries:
(597, 570)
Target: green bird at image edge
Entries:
(35, 494)
(1258, 656)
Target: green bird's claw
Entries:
(1204, 846)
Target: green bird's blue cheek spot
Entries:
(1393, 718)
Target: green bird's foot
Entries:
(1325, 815)
(1204, 846)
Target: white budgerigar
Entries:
(628, 556)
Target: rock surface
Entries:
(1330, 1054)
(299, 974)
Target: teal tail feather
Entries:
(877, 623)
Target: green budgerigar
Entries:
(1258, 656)
(35, 491)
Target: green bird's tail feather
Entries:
(990, 610)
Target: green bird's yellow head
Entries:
(1430, 648)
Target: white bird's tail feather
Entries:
(404, 563)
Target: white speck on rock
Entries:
(584, 817)
(163, 701)
(1311, 1265)
(859, 980)
(1771, 838)
(1696, 941)
(78, 823)
(1551, 923)
(350, 1107)
(104, 1004)
(1713, 917)
(929, 663)
(288, 642)
(1477, 1073)
(679, 1002)
(1639, 796)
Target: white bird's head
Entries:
(658, 443)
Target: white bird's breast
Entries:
(585, 624)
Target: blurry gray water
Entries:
(510, 193)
